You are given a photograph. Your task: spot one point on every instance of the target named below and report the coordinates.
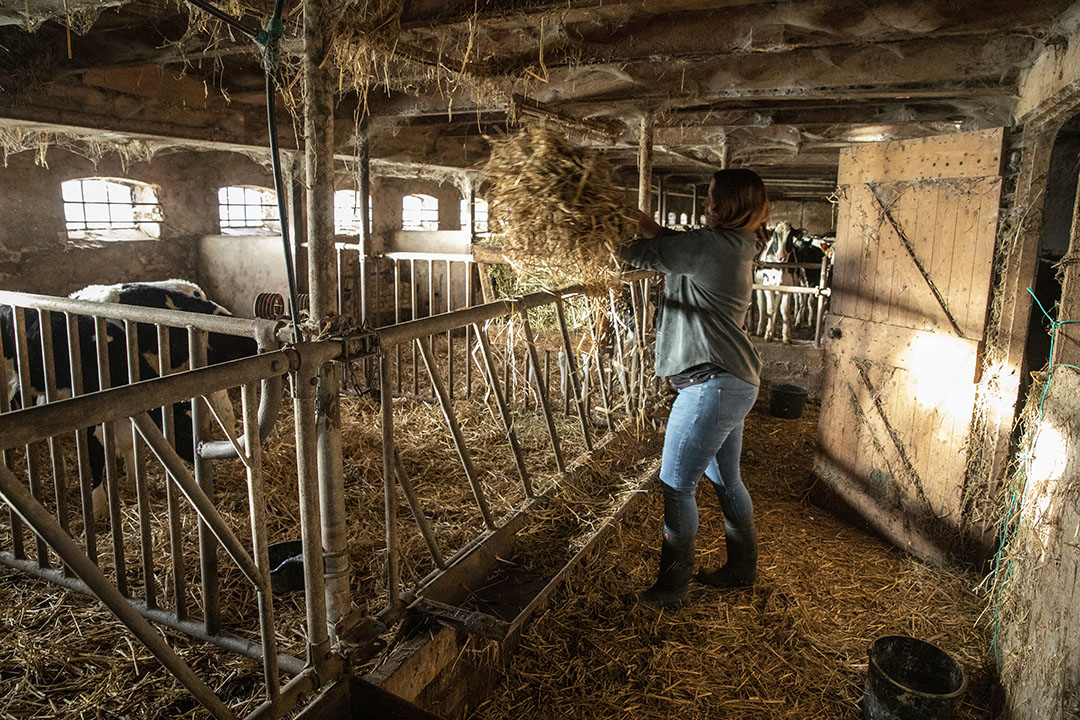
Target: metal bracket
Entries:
(354, 347)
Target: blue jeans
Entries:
(704, 436)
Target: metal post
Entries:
(431, 299)
(455, 432)
(17, 547)
(397, 319)
(500, 402)
(82, 451)
(605, 390)
(449, 333)
(310, 516)
(415, 315)
(645, 162)
(819, 322)
(297, 227)
(172, 501)
(320, 22)
(142, 494)
(534, 358)
(468, 329)
(662, 200)
(620, 356)
(694, 214)
(363, 182)
(393, 555)
(575, 385)
(55, 455)
(26, 395)
(200, 423)
(112, 481)
(257, 503)
(59, 476)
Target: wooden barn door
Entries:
(912, 274)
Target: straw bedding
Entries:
(557, 213)
(63, 659)
(793, 647)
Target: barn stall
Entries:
(455, 457)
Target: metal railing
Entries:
(800, 294)
(603, 377)
(418, 335)
(97, 346)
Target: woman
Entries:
(703, 348)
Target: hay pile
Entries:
(793, 647)
(557, 214)
(1035, 583)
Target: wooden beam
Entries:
(645, 163)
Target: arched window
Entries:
(670, 219)
(481, 208)
(347, 212)
(111, 209)
(684, 219)
(247, 210)
(419, 212)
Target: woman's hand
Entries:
(646, 225)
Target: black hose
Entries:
(252, 32)
(279, 187)
(268, 39)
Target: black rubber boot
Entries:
(673, 581)
(740, 570)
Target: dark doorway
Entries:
(1061, 185)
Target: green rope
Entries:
(1010, 522)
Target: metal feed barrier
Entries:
(612, 385)
(821, 291)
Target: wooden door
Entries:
(912, 274)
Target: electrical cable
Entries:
(267, 39)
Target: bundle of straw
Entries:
(557, 213)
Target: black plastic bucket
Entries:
(787, 401)
(286, 566)
(910, 679)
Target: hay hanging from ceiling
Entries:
(558, 216)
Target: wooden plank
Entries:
(985, 232)
(845, 264)
(963, 155)
(924, 232)
(888, 259)
(965, 243)
(870, 242)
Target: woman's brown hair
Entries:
(738, 201)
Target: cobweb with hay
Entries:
(558, 215)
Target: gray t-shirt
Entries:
(709, 285)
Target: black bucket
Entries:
(909, 679)
(286, 566)
(787, 401)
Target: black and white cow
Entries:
(771, 303)
(177, 295)
(809, 249)
(115, 351)
(186, 297)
